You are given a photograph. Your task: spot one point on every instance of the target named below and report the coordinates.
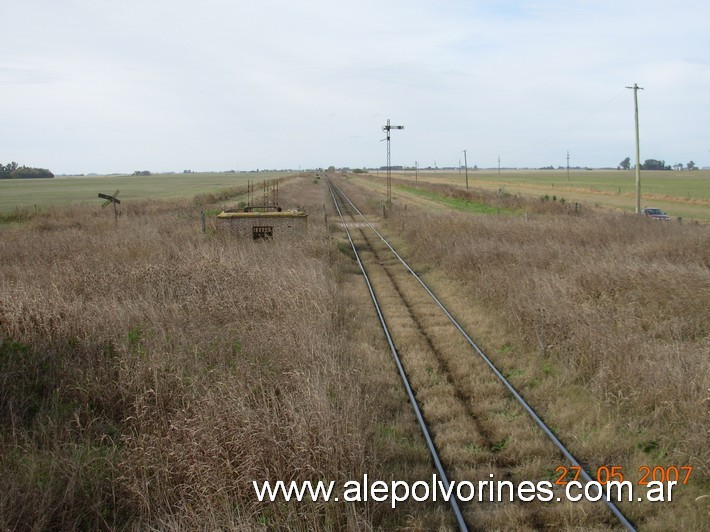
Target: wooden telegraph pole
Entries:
(638, 150)
(465, 162)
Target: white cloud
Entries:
(92, 85)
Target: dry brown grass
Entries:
(149, 374)
(606, 327)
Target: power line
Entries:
(555, 136)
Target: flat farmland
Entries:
(681, 194)
(24, 194)
(152, 372)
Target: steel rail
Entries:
(568, 455)
(410, 393)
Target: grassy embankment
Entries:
(681, 194)
(149, 374)
(601, 319)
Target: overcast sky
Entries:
(168, 85)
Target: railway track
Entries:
(477, 428)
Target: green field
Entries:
(681, 194)
(23, 194)
(460, 204)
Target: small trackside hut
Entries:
(263, 225)
(263, 221)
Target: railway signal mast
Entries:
(387, 128)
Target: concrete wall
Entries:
(273, 225)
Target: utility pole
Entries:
(567, 165)
(466, 163)
(638, 150)
(416, 171)
(499, 166)
(387, 128)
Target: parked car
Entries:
(655, 214)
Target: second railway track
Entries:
(479, 429)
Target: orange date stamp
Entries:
(605, 474)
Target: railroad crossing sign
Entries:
(109, 200)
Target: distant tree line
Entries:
(655, 164)
(13, 171)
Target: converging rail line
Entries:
(422, 328)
